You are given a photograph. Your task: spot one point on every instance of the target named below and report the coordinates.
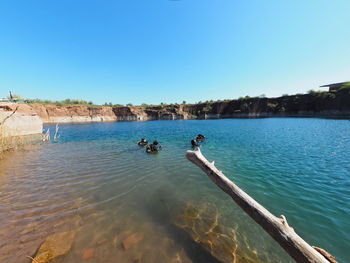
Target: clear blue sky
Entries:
(137, 51)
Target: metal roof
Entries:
(335, 84)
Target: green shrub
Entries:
(66, 102)
(345, 88)
(332, 95)
(245, 98)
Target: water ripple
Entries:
(97, 180)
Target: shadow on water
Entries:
(193, 250)
(162, 209)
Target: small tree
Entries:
(15, 97)
(129, 105)
(184, 102)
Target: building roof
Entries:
(335, 85)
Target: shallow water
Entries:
(98, 182)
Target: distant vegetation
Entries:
(207, 108)
(16, 97)
(66, 102)
(323, 94)
(346, 86)
(319, 93)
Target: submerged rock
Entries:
(54, 247)
(88, 253)
(204, 227)
(132, 240)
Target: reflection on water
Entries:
(128, 206)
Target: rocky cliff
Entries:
(169, 112)
(68, 114)
(324, 104)
(16, 122)
(18, 128)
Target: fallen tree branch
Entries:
(3, 121)
(277, 228)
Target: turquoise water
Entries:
(97, 180)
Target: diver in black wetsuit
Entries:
(200, 137)
(194, 143)
(153, 147)
(143, 142)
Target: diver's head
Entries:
(155, 143)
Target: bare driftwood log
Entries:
(278, 228)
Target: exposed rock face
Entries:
(18, 127)
(67, 114)
(55, 247)
(19, 120)
(130, 114)
(170, 112)
(307, 105)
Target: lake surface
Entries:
(96, 181)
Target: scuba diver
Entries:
(143, 142)
(200, 137)
(194, 143)
(153, 147)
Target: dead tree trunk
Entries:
(278, 228)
